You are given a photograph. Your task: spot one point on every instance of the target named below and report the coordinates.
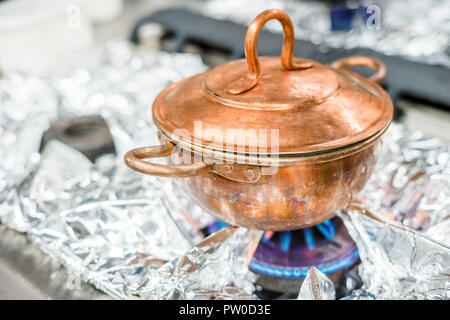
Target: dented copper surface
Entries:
(215, 129)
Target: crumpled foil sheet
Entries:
(397, 262)
(411, 179)
(137, 237)
(122, 238)
(189, 276)
(404, 31)
(401, 224)
(316, 286)
(21, 128)
(111, 226)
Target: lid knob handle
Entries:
(251, 79)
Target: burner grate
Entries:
(290, 254)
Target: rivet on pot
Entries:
(284, 100)
(250, 174)
(227, 168)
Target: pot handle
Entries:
(133, 160)
(246, 173)
(251, 79)
(361, 61)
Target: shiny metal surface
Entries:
(127, 229)
(314, 109)
(252, 78)
(329, 121)
(241, 173)
(355, 61)
(297, 196)
(132, 159)
(386, 266)
(26, 272)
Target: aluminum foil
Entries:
(200, 272)
(128, 234)
(316, 286)
(138, 237)
(397, 262)
(411, 179)
(401, 27)
(21, 129)
(401, 222)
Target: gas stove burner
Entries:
(283, 259)
(326, 246)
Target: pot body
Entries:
(329, 122)
(298, 195)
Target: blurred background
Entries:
(86, 72)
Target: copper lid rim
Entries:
(309, 107)
(269, 159)
(167, 126)
(327, 147)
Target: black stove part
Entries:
(349, 282)
(405, 77)
(279, 285)
(88, 134)
(223, 35)
(292, 286)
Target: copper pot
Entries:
(276, 145)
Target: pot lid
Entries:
(270, 105)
